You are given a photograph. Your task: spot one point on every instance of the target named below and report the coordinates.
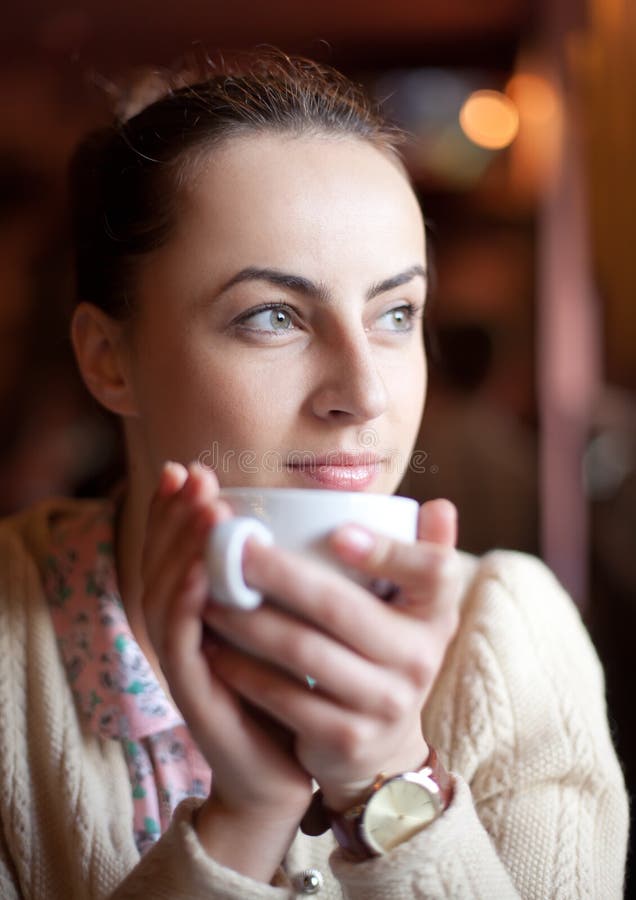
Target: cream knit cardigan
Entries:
(517, 714)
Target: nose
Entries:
(350, 384)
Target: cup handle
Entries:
(225, 561)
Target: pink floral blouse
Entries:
(113, 684)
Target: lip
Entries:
(345, 471)
(338, 458)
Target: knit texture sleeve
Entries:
(178, 866)
(453, 858)
(8, 879)
(540, 808)
(65, 807)
(517, 714)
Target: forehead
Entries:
(273, 198)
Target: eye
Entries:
(400, 318)
(269, 319)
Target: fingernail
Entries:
(356, 539)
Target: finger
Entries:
(171, 482)
(341, 609)
(170, 510)
(183, 540)
(196, 689)
(164, 584)
(173, 476)
(178, 647)
(326, 598)
(288, 643)
(419, 566)
(308, 714)
(437, 522)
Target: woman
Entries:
(252, 275)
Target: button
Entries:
(310, 881)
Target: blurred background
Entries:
(523, 122)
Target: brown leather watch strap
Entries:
(316, 819)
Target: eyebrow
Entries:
(301, 285)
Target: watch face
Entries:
(398, 810)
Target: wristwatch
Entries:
(395, 809)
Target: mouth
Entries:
(341, 470)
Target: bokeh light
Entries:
(489, 119)
(534, 97)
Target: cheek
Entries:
(407, 389)
(201, 399)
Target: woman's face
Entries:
(279, 336)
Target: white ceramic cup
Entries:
(299, 520)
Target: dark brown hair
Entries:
(124, 179)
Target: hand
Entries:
(260, 791)
(374, 663)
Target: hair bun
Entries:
(142, 86)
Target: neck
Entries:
(130, 529)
